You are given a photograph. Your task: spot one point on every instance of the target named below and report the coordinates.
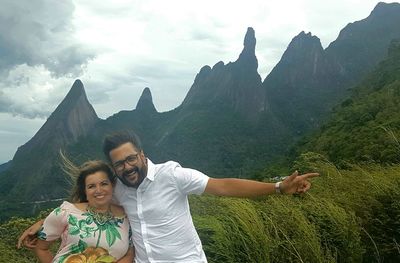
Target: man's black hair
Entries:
(114, 140)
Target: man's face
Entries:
(130, 165)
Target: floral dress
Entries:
(83, 238)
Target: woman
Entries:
(91, 228)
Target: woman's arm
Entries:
(42, 251)
(128, 258)
(28, 238)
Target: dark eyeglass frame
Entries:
(130, 159)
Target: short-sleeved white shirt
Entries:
(158, 211)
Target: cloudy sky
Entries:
(119, 47)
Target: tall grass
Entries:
(349, 215)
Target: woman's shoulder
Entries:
(118, 211)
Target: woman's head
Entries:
(94, 180)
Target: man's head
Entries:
(125, 153)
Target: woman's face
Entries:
(98, 190)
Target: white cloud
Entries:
(40, 33)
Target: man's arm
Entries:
(247, 188)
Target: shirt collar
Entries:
(151, 170)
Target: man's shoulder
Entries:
(167, 167)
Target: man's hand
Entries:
(28, 239)
(297, 184)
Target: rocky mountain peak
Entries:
(382, 9)
(248, 55)
(236, 84)
(145, 102)
(74, 117)
(302, 45)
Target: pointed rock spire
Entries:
(74, 117)
(237, 84)
(248, 55)
(145, 102)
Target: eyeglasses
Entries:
(131, 160)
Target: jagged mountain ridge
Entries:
(237, 84)
(228, 125)
(308, 81)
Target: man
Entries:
(154, 197)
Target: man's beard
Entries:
(141, 173)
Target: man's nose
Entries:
(127, 166)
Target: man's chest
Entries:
(154, 203)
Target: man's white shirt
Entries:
(159, 215)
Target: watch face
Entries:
(278, 187)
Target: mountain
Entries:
(308, 81)
(362, 44)
(5, 166)
(34, 173)
(366, 126)
(230, 124)
(145, 103)
(73, 118)
(236, 85)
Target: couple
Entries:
(155, 199)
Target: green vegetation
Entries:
(352, 213)
(349, 216)
(365, 127)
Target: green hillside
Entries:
(365, 127)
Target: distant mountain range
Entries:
(231, 123)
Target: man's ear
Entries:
(142, 155)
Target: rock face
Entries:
(73, 118)
(298, 81)
(236, 85)
(145, 103)
(35, 173)
(362, 44)
(308, 82)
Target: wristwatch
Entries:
(278, 189)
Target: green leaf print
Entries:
(57, 211)
(75, 249)
(41, 235)
(78, 248)
(73, 230)
(110, 237)
(112, 234)
(72, 220)
(89, 220)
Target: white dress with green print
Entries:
(82, 236)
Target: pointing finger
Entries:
(309, 175)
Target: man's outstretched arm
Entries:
(292, 184)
